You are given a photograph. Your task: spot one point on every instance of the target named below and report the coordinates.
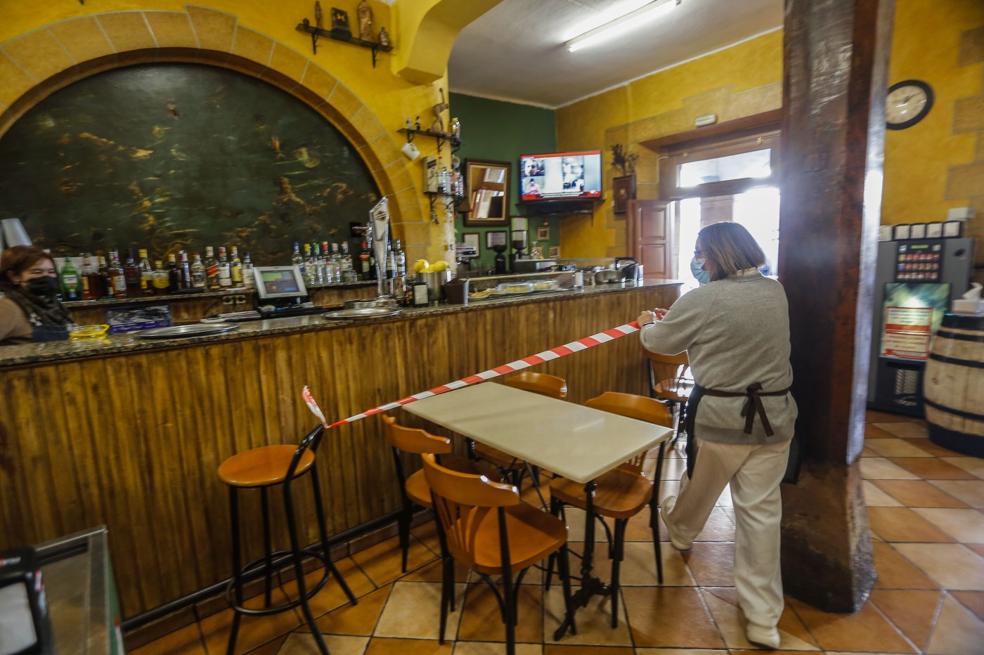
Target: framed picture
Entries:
(472, 239)
(487, 192)
(543, 233)
(553, 252)
(495, 238)
(623, 190)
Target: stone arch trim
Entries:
(36, 64)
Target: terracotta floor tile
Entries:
(331, 595)
(896, 572)
(958, 630)
(908, 429)
(638, 565)
(932, 468)
(426, 533)
(972, 600)
(952, 566)
(381, 562)
(917, 493)
(895, 447)
(712, 564)
(874, 416)
(872, 431)
(494, 648)
(432, 573)
(354, 619)
(593, 621)
(974, 465)
(964, 525)
(720, 526)
(931, 448)
(638, 528)
(867, 452)
(723, 604)
(384, 646)
(560, 649)
(413, 611)
(481, 619)
(253, 631)
(865, 630)
(670, 617)
(271, 647)
(875, 497)
(683, 651)
(969, 491)
(879, 468)
(897, 524)
(186, 641)
(304, 644)
(912, 612)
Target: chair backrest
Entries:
(631, 405)
(542, 383)
(462, 501)
(414, 440)
(311, 441)
(666, 367)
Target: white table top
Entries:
(572, 440)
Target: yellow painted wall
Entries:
(390, 97)
(926, 46)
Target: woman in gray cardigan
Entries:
(735, 329)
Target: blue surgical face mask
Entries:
(697, 268)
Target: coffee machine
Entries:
(518, 244)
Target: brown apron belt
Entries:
(753, 404)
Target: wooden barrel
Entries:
(953, 385)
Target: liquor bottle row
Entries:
(321, 265)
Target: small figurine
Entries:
(416, 124)
(364, 12)
(409, 124)
(456, 128)
(384, 37)
(340, 23)
(318, 15)
(438, 109)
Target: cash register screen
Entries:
(16, 624)
(279, 282)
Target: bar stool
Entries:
(264, 468)
(670, 381)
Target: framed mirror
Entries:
(487, 191)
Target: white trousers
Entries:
(754, 473)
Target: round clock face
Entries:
(907, 103)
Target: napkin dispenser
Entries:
(25, 627)
(970, 302)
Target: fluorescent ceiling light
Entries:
(618, 25)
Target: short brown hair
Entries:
(17, 259)
(730, 248)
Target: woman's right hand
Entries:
(659, 313)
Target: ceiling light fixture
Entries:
(621, 25)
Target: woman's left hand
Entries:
(645, 318)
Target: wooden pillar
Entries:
(834, 79)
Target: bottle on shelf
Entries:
(329, 263)
(100, 283)
(146, 273)
(321, 263)
(364, 257)
(131, 273)
(198, 278)
(86, 277)
(236, 268)
(173, 274)
(71, 287)
(117, 275)
(184, 269)
(401, 259)
(297, 259)
(310, 266)
(248, 281)
(225, 274)
(390, 268)
(159, 278)
(211, 269)
(348, 270)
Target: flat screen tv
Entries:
(560, 176)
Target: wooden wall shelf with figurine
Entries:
(317, 32)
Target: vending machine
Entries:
(916, 279)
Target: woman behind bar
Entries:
(735, 329)
(29, 305)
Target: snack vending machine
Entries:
(915, 282)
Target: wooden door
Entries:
(651, 237)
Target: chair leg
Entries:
(403, 523)
(236, 569)
(555, 509)
(564, 566)
(509, 612)
(319, 510)
(267, 548)
(446, 600)
(620, 525)
(297, 556)
(654, 513)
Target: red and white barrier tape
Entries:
(518, 365)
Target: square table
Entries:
(574, 441)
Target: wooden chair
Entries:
(622, 492)
(414, 489)
(670, 380)
(487, 528)
(541, 383)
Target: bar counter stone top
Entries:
(27, 354)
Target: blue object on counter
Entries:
(138, 318)
(49, 333)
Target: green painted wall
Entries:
(502, 131)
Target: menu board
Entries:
(911, 314)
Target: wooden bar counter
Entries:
(129, 433)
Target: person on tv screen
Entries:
(531, 187)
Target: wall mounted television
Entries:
(560, 176)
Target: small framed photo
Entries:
(623, 190)
(934, 230)
(952, 229)
(917, 231)
(543, 233)
(901, 232)
(494, 238)
(472, 239)
(553, 252)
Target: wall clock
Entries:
(907, 103)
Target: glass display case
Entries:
(497, 287)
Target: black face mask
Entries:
(43, 287)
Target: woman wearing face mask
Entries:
(29, 303)
(735, 329)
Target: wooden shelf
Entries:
(317, 32)
(442, 137)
